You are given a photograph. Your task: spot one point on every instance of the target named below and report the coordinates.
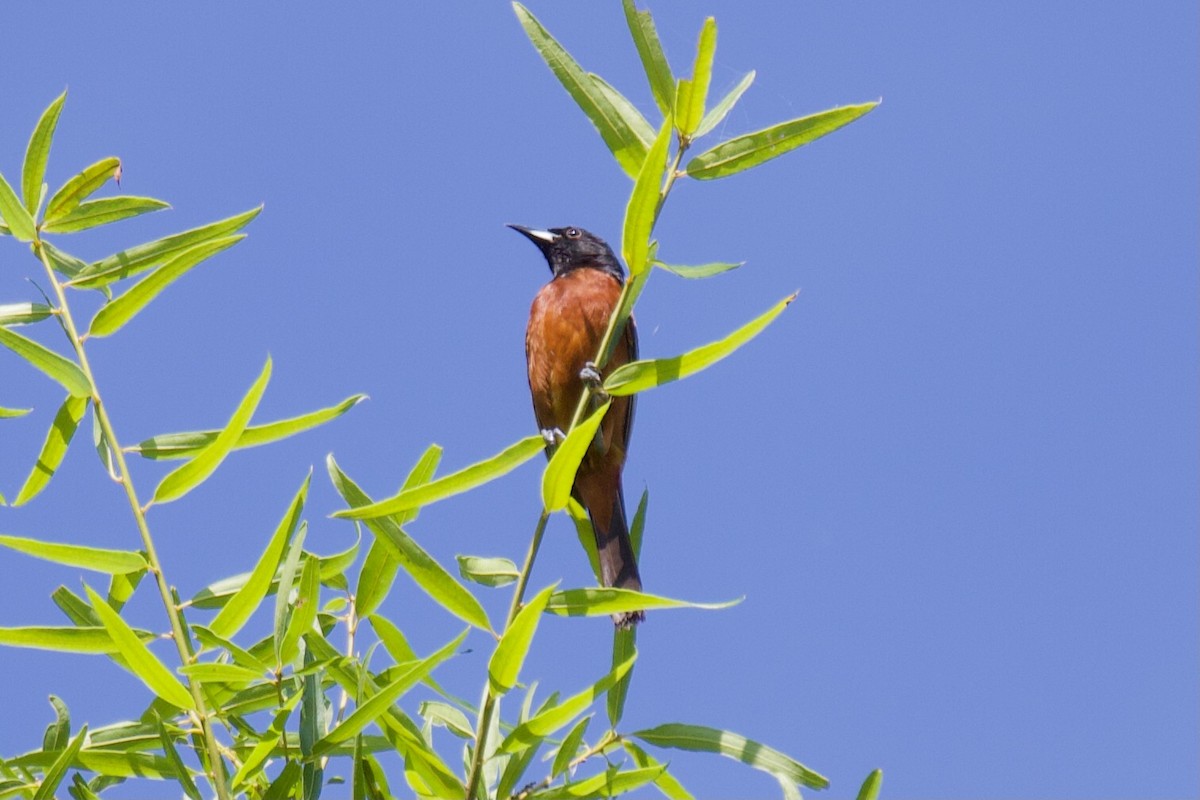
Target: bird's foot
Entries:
(553, 436)
(591, 379)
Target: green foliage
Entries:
(320, 698)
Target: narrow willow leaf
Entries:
(750, 150)
(504, 667)
(63, 370)
(37, 153)
(64, 263)
(54, 448)
(113, 562)
(144, 256)
(638, 376)
(304, 610)
(17, 218)
(75, 607)
(380, 566)
(654, 61)
(601, 601)
(624, 647)
(285, 781)
(58, 733)
(700, 270)
(642, 210)
(73, 639)
(717, 113)
(313, 722)
(104, 762)
(393, 639)
(93, 213)
(632, 118)
(689, 119)
(493, 572)
(683, 101)
(121, 587)
(666, 783)
(23, 313)
(431, 576)
(241, 657)
(556, 718)
(113, 316)
(624, 143)
(143, 663)
(104, 449)
(238, 610)
(187, 477)
(182, 773)
(559, 476)
(638, 527)
(465, 479)
(448, 717)
(610, 783)
(382, 700)
(11, 413)
(712, 740)
(569, 747)
(58, 770)
(587, 536)
(266, 745)
(871, 786)
(283, 591)
(80, 187)
(221, 673)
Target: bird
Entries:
(567, 322)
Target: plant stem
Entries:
(489, 700)
(607, 740)
(178, 629)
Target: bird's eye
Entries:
(572, 233)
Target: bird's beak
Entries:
(541, 238)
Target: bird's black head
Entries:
(568, 249)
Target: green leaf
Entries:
(689, 114)
(666, 783)
(266, 745)
(493, 572)
(304, 610)
(58, 733)
(559, 475)
(104, 449)
(62, 262)
(213, 672)
(610, 783)
(569, 747)
(629, 113)
(54, 448)
(281, 787)
(381, 701)
(186, 445)
(622, 140)
(12, 413)
(93, 213)
(37, 153)
(602, 601)
(449, 485)
(143, 663)
(18, 219)
(721, 110)
(72, 639)
(638, 526)
(23, 313)
(182, 774)
(750, 150)
(187, 477)
(700, 270)
(113, 316)
(380, 566)
(144, 256)
(553, 719)
(238, 610)
(624, 647)
(80, 187)
(243, 658)
(58, 770)
(638, 376)
(585, 534)
(642, 210)
(105, 762)
(63, 370)
(448, 717)
(654, 61)
(870, 787)
(431, 576)
(711, 740)
(504, 667)
(113, 562)
(283, 591)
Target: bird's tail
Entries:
(618, 564)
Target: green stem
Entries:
(178, 629)
(489, 700)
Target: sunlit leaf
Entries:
(642, 210)
(58, 733)
(666, 783)
(211, 672)
(304, 610)
(16, 217)
(37, 153)
(143, 663)
(283, 591)
(610, 783)
(113, 562)
(654, 61)
(712, 740)
(63, 370)
(622, 140)
(183, 775)
(448, 717)
(187, 477)
(54, 448)
(871, 786)
(114, 763)
(186, 445)
(23, 313)
(569, 747)
(700, 270)
(80, 187)
(266, 745)
(601, 601)
(717, 113)
(559, 476)
(285, 781)
(74, 639)
(93, 213)
(241, 657)
(585, 533)
(11, 413)
(487, 571)
(455, 483)
(630, 115)
(553, 719)
(624, 647)
(58, 770)
(750, 150)
(637, 376)
(505, 664)
(691, 112)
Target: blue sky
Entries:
(956, 481)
